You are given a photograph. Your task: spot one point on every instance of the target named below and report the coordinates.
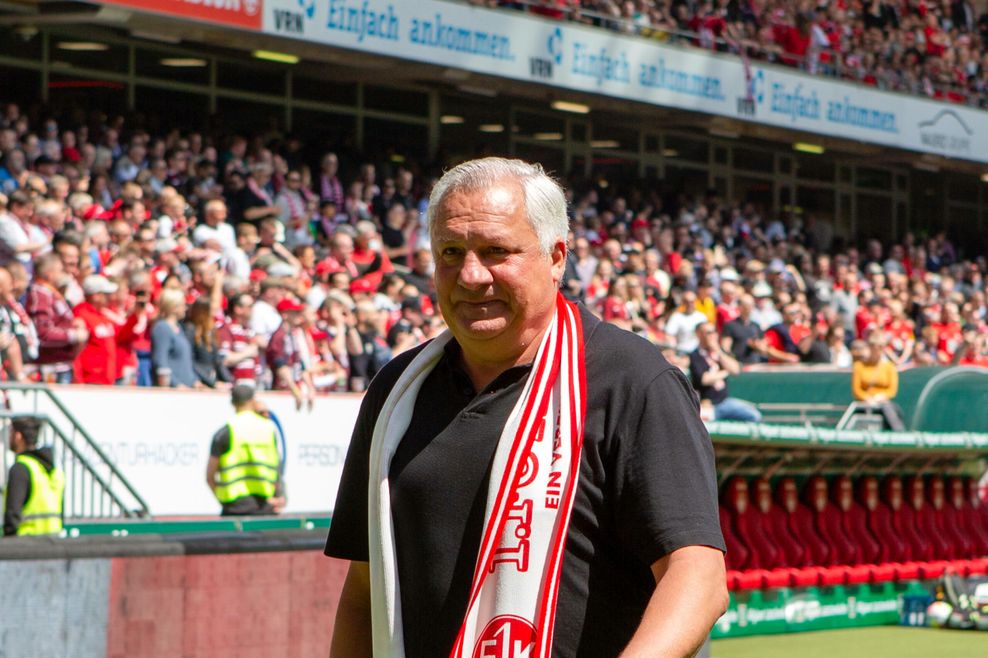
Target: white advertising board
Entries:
(514, 45)
(160, 441)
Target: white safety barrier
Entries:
(160, 440)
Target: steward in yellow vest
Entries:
(35, 486)
(244, 469)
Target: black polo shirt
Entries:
(647, 487)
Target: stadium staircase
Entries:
(95, 488)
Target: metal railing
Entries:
(94, 487)
(802, 413)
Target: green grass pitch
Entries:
(877, 642)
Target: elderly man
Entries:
(215, 232)
(532, 469)
(60, 334)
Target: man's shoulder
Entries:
(385, 380)
(388, 376)
(622, 357)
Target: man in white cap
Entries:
(97, 362)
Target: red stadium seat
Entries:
(749, 579)
(879, 515)
(776, 521)
(933, 569)
(859, 573)
(750, 527)
(833, 575)
(829, 526)
(777, 578)
(976, 567)
(904, 522)
(737, 552)
(945, 522)
(924, 520)
(732, 580)
(906, 570)
(805, 577)
(854, 520)
(881, 573)
(975, 516)
(801, 523)
(953, 516)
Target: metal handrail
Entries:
(79, 430)
(89, 468)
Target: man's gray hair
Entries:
(545, 203)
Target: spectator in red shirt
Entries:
(121, 308)
(60, 334)
(974, 350)
(97, 362)
(727, 309)
(949, 331)
(341, 254)
(369, 255)
(783, 339)
(899, 334)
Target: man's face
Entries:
(495, 287)
(423, 262)
(120, 233)
(16, 441)
(56, 274)
(216, 215)
(22, 211)
(69, 255)
(98, 299)
(342, 248)
(330, 164)
(145, 240)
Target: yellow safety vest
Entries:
(42, 512)
(250, 466)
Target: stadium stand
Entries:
(132, 206)
(926, 48)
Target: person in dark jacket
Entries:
(35, 486)
(207, 361)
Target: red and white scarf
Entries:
(534, 475)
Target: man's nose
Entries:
(473, 273)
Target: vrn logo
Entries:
(294, 21)
(540, 67)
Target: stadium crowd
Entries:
(923, 47)
(187, 261)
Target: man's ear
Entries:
(558, 257)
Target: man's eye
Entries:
(451, 252)
(497, 251)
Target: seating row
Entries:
(847, 532)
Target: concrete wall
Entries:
(216, 606)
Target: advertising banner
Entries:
(514, 45)
(785, 610)
(234, 13)
(160, 440)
